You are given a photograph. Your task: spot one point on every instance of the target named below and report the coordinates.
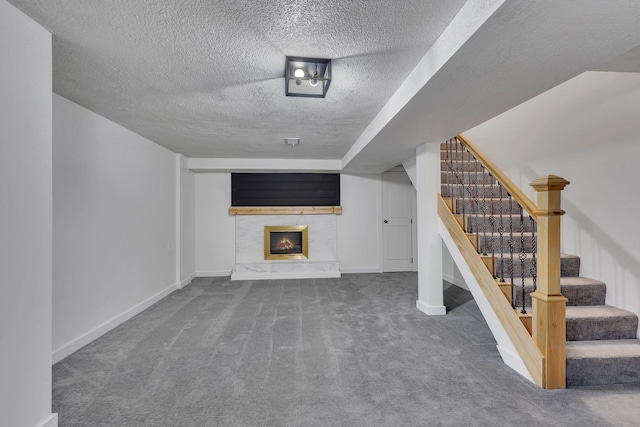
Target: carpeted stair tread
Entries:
(488, 239)
(600, 322)
(578, 290)
(603, 362)
(603, 349)
(470, 207)
(569, 266)
(444, 178)
(485, 190)
(462, 166)
(589, 311)
(452, 155)
(479, 222)
(583, 291)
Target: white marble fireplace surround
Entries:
(323, 248)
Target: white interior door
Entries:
(397, 192)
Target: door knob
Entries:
(385, 221)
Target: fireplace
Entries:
(286, 242)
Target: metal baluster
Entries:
(523, 256)
(492, 221)
(449, 175)
(477, 204)
(469, 188)
(501, 231)
(454, 179)
(534, 250)
(484, 211)
(461, 177)
(455, 183)
(446, 162)
(511, 243)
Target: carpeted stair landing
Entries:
(603, 362)
(601, 340)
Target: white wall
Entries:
(587, 131)
(25, 221)
(187, 227)
(450, 271)
(215, 228)
(360, 225)
(114, 225)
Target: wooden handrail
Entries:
(506, 183)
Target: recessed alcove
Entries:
(304, 203)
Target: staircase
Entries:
(601, 345)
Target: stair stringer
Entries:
(505, 346)
(515, 344)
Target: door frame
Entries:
(414, 229)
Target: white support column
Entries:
(430, 288)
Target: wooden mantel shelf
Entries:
(285, 210)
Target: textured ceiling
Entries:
(205, 78)
(628, 62)
(523, 48)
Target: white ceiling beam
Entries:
(201, 165)
(471, 17)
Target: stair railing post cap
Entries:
(549, 183)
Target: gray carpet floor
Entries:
(319, 352)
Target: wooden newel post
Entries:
(549, 317)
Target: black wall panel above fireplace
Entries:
(285, 189)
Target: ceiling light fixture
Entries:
(314, 71)
(292, 141)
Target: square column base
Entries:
(438, 310)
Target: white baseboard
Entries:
(50, 421)
(438, 310)
(187, 280)
(356, 270)
(286, 270)
(293, 275)
(214, 273)
(76, 344)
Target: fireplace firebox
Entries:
(286, 242)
